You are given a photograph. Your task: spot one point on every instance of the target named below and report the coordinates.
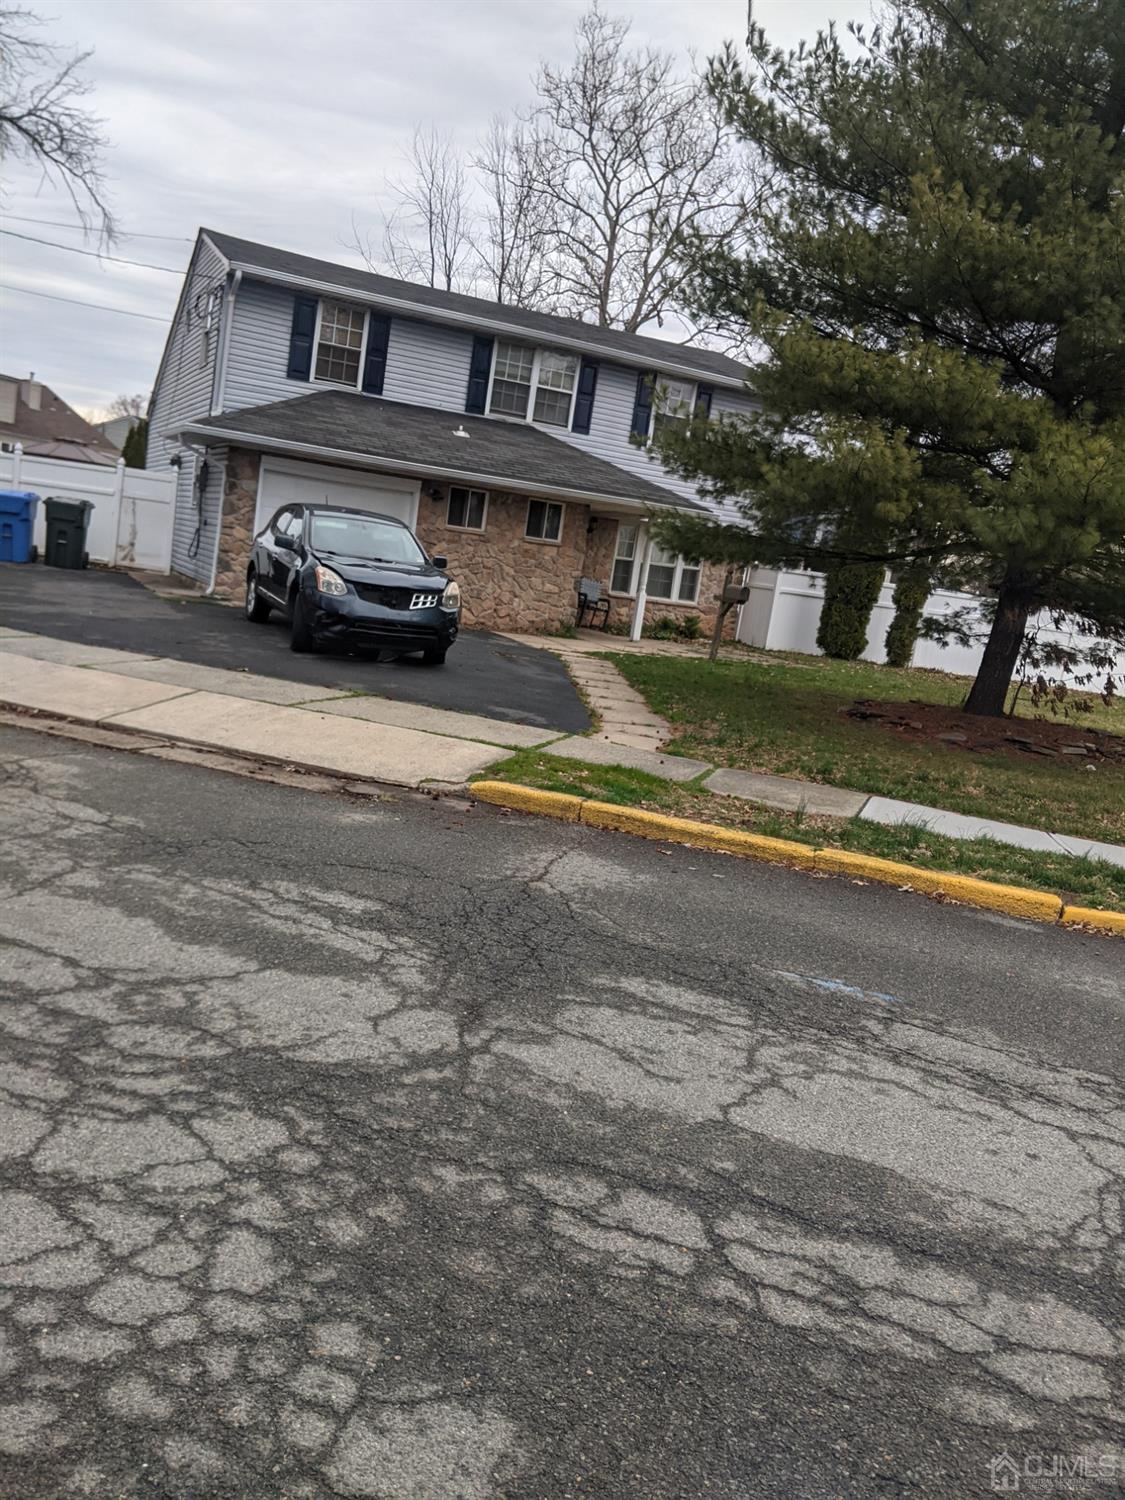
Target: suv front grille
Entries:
(392, 598)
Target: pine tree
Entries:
(936, 293)
(134, 448)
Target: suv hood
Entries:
(389, 575)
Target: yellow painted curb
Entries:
(1013, 900)
(1089, 916)
(529, 799)
(652, 825)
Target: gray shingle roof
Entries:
(514, 454)
(629, 348)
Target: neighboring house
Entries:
(503, 436)
(46, 427)
(117, 429)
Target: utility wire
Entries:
(75, 250)
(126, 312)
(179, 239)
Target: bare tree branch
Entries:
(43, 121)
(429, 235)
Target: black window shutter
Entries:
(480, 367)
(584, 398)
(642, 405)
(375, 361)
(703, 398)
(301, 338)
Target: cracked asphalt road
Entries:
(404, 1151)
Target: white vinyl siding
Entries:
(184, 391)
(428, 365)
(612, 422)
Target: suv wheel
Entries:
(256, 607)
(434, 656)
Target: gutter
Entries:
(518, 331)
(507, 483)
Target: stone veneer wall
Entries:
(236, 529)
(508, 581)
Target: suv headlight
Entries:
(328, 582)
(451, 598)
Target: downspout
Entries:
(218, 397)
(219, 387)
(222, 479)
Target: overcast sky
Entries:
(277, 120)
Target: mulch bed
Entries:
(1052, 739)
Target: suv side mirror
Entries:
(440, 562)
(285, 542)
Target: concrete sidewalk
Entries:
(379, 739)
(407, 744)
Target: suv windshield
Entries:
(367, 538)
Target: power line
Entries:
(75, 250)
(125, 312)
(179, 239)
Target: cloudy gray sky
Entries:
(276, 120)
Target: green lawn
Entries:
(1084, 882)
(785, 717)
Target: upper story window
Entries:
(339, 343)
(536, 385)
(673, 403)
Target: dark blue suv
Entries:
(352, 578)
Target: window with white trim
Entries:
(467, 508)
(339, 343)
(624, 558)
(671, 577)
(544, 521)
(673, 402)
(536, 385)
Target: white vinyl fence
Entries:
(131, 523)
(783, 612)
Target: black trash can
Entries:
(67, 523)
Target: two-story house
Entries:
(513, 442)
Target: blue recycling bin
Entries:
(17, 519)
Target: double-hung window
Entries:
(624, 559)
(544, 521)
(467, 509)
(673, 403)
(536, 385)
(671, 578)
(339, 343)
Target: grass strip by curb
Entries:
(1012, 901)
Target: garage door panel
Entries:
(311, 484)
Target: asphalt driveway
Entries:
(485, 673)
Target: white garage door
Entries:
(284, 483)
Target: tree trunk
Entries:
(989, 692)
